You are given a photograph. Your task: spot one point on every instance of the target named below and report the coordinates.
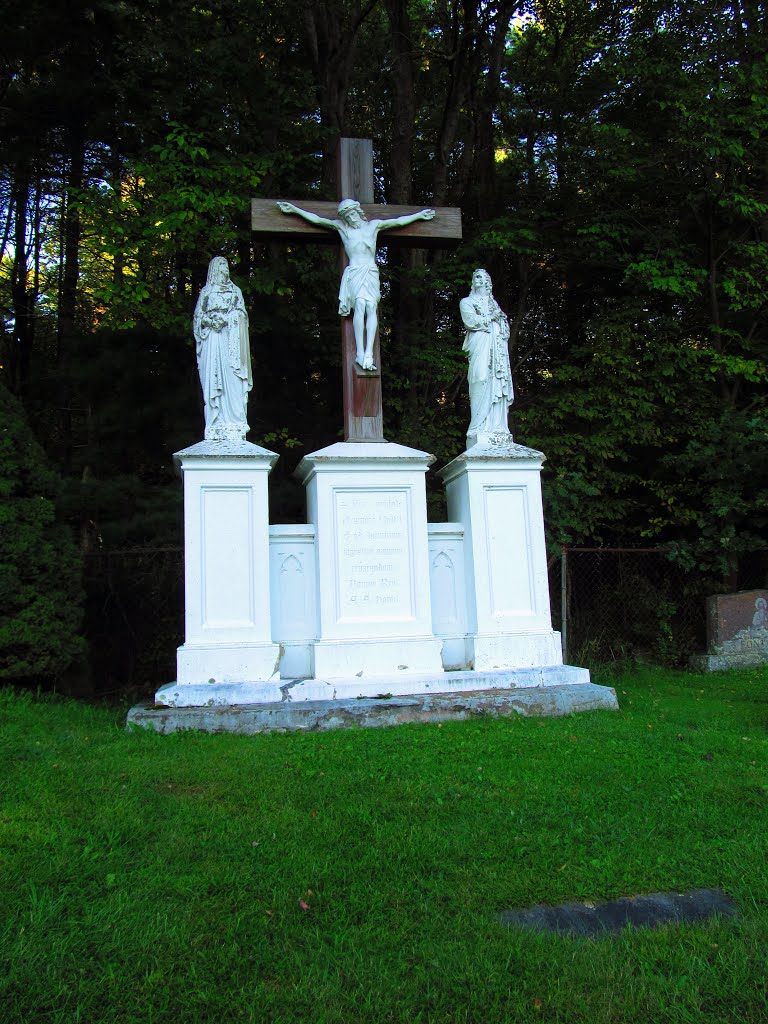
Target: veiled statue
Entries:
(486, 345)
(220, 326)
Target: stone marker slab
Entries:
(371, 713)
(737, 632)
(650, 911)
(728, 614)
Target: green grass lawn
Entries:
(161, 879)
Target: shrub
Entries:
(41, 597)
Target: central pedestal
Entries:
(367, 502)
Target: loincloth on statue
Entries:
(358, 283)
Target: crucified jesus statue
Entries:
(360, 293)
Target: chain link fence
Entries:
(610, 604)
(134, 617)
(613, 604)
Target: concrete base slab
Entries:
(396, 684)
(722, 662)
(289, 716)
(463, 681)
(492, 652)
(201, 664)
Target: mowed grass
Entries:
(153, 879)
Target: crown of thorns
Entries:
(349, 204)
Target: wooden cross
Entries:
(363, 416)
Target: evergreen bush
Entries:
(41, 596)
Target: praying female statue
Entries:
(489, 373)
(220, 326)
(360, 292)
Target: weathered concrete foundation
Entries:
(372, 713)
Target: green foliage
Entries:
(634, 236)
(611, 174)
(122, 485)
(40, 589)
(184, 198)
(722, 515)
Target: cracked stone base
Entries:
(287, 716)
(721, 662)
(211, 695)
(402, 684)
(208, 666)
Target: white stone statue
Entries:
(220, 326)
(360, 293)
(489, 373)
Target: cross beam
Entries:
(363, 414)
(443, 232)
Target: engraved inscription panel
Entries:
(374, 554)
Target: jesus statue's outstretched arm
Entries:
(321, 222)
(401, 222)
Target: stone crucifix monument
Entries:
(366, 598)
(366, 497)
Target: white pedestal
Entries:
(494, 490)
(226, 570)
(367, 502)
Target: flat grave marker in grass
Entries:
(650, 911)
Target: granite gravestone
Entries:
(737, 631)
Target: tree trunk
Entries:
(332, 39)
(403, 262)
(68, 295)
(71, 245)
(22, 296)
(404, 102)
(488, 100)
(459, 76)
(116, 174)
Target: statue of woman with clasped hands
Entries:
(360, 292)
(220, 326)
(486, 344)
